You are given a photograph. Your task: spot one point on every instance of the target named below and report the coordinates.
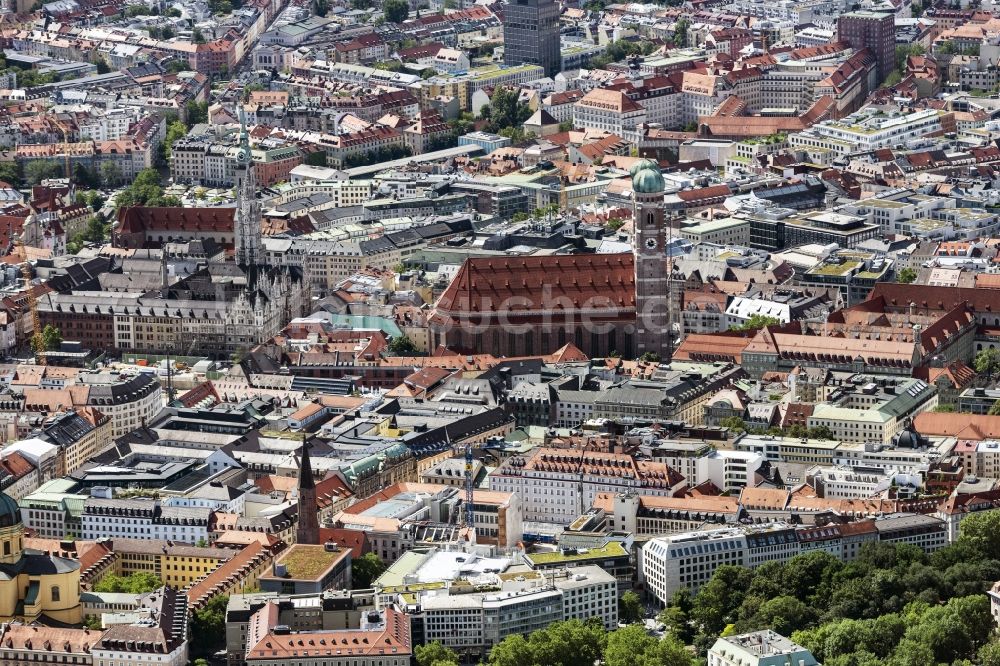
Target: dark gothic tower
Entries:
(308, 527)
(652, 284)
(246, 223)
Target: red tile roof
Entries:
(16, 465)
(426, 378)
(705, 193)
(527, 284)
(391, 640)
(140, 219)
(746, 126)
(331, 490)
(53, 640)
(726, 346)
(218, 581)
(898, 295)
(974, 427)
(356, 540)
(958, 374)
(200, 392)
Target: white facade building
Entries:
(687, 561)
(216, 498)
(699, 462)
(759, 648)
(728, 470)
(549, 481)
(143, 518)
(119, 654)
(609, 110)
(128, 401)
(476, 622)
(868, 130)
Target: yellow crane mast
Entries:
(37, 341)
(65, 147)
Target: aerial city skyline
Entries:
(500, 333)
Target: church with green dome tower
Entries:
(34, 583)
(652, 284)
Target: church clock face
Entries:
(242, 156)
(651, 243)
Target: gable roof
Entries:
(142, 219)
(535, 283)
(964, 426)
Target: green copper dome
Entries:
(10, 512)
(644, 163)
(646, 177)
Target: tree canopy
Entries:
(145, 190)
(632, 646)
(573, 642)
(36, 171)
(208, 627)
(434, 654)
(894, 604)
(621, 49)
(137, 583)
(569, 643)
(176, 130)
(906, 275)
(629, 607)
(403, 346)
(197, 112)
(395, 11)
(10, 174)
(383, 154)
(504, 110)
(755, 322)
(987, 362)
(48, 339)
(365, 570)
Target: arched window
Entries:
(55, 593)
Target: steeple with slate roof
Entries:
(307, 530)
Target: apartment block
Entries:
(687, 561)
(473, 623)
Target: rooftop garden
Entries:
(307, 562)
(768, 140)
(836, 269)
(413, 587)
(487, 72)
(527, 575)
(612, 549)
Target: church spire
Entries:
(306, 480)
(246, 221)
(307, 530)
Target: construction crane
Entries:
(582, 470)
(470, 513)
(37, 341)
(171, 389)
(65, 146)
